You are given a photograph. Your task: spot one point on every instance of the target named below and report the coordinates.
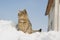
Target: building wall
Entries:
(59, 17)
(51, 18)
(54, 17)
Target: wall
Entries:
(51, 18)
(59, 18)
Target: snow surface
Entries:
(8, 32)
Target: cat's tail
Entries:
(40, 30)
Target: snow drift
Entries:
(8, 32)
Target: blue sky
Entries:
(35, 9)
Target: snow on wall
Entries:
(9, 32)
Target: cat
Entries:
(23, 22)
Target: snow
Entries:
(8, 32)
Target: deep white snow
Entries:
(8, 32)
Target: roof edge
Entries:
(50, 2)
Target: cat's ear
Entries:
(25, 11)
(19, 12)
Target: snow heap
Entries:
(9, 32)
